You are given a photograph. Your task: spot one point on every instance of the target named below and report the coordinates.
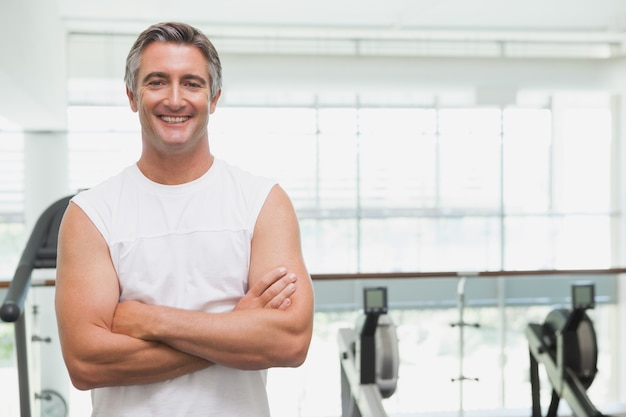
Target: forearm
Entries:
(108, 359)
(271, 325)
(244, 339)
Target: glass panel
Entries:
(337, 159)
(530, 242)
(583, 180)
(12, 228)
(470, 159)
(277, 143)
(102, 119)
(11, 176)
(9, 406)
(330, 245)
(102, 141)
(397, 155)
(527, 152)
(391, 245)
(583, 242)
(12, 241)
(459, 244)
(560, 242)
(95, 156)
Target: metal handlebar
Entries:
(40, 252)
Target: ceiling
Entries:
(584, 17)
(459, 28)
(560, 27)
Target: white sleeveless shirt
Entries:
(184, 246)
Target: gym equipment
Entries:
(39, 253)
(369, 358)
(461, 325)
(566, 345)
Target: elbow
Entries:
(296, 352)
(284, 353)
(82, 376)
(80, 382)
(298, 346)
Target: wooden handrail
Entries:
(424, 275)
(453, 274)
(34, 283)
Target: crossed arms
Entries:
(108, 343)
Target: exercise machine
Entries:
(39, 253)
(369, 358)
(566, 346)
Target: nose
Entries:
(174, 99)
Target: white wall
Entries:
(32, 67)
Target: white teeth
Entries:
(171, 119)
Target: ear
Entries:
(131, 100)
(213, 103)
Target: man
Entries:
(181, 279)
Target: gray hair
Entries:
(180, 33)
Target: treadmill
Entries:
(40, 253)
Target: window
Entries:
(12, 227)
(408, 189)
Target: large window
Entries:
(12, 227)
(397, 189)
(409, 189)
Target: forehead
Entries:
(172, 58)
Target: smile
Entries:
(174, 119)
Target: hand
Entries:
(273, 290)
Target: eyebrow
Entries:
(155, 74)
(158, 74)
(199, 79)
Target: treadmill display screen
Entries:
(375, 300)
(583, 296)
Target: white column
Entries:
(619, 239)
(46, 180)
(46, 177)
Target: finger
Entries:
(285, 304)
(275, 290)
(267, 281)
(282, 298)
(280, 290)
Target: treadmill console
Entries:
(583, 296)
(375, 300)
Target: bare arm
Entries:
(244, 338)
(87, 294)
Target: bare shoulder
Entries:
(277, 215)
(87, 289)
(83, 256)
(276, 239)
(77, 230)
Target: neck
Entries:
(175, 169)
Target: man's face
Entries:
(172, 97)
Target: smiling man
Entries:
(181, 279)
